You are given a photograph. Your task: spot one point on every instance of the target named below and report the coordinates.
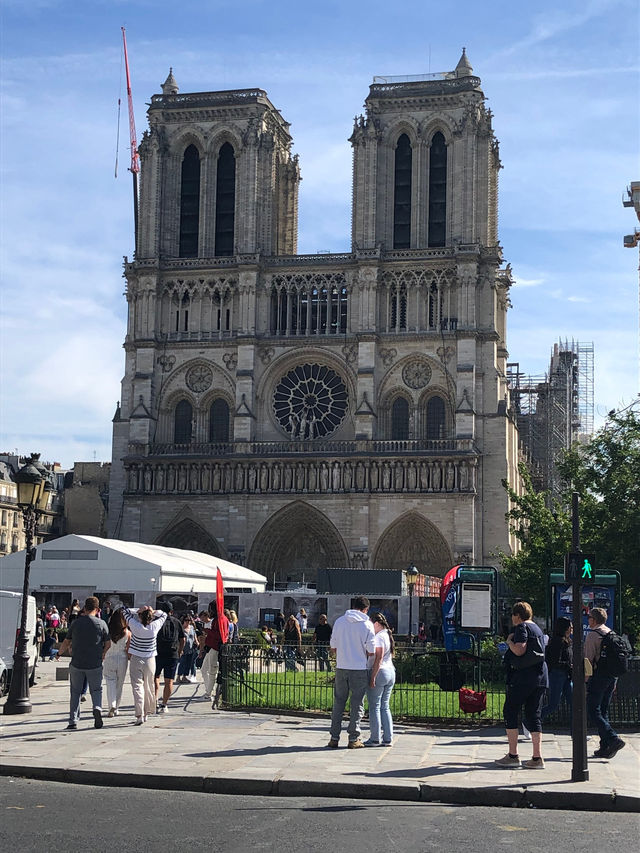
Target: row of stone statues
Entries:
(400, 475)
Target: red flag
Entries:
(219, 592)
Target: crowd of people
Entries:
(153, 644)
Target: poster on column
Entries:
(592, 596)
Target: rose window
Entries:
(310, 401)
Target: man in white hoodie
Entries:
(352, 637)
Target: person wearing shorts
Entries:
(170, 645)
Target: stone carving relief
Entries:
(416, 373)
(199, 378)
(388, 354)
(304, 476)
(166, 362)
(231, 360)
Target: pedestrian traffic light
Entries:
(579, 568)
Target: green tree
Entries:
(544, 534)
(606, 474)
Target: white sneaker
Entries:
(161, 709)
(139, 721)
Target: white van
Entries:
(10, 612)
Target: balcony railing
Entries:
(316, 447)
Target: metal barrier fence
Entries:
(427, 684)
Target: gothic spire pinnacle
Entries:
(463, 68)
(170, 87)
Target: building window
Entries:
(4, 517)
(436, 418)
(437, 191)
(315, 311)
(183, 423)
(190, 203)
(400, 419)
(14, 544)
(15, 519)
(398, 308)
(402, 194)
(219, 421)
(225, 201)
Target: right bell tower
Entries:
(425, 164)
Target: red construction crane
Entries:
(134, 168)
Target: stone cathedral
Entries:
(291, 412)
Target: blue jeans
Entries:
(290, 658)
(77, 680)
(559, 685)
(379, 712)
(599, 692)
(349, 683)
(322, 653)
(187, 662)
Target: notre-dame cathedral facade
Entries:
(290, 412)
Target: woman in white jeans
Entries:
(115, 662)
(144, 626)
(382, 677)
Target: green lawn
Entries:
(313, 691)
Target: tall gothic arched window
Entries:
(402, 194)
(437, 191)
(219, 421)
(183, 423)
(225, 201)
(190, 203)
(436, 418)
(400, 419)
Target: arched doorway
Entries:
(413, 540)
(190, 536)
(294, 543)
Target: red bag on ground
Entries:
(472, 701)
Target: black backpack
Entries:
(168, 639)
(614, 655)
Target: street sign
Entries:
(580, 568)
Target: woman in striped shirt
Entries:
(144, 626)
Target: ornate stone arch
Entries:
(385, 410)
(413, 539)
(430, 126)
(297, 541)
(394, 131)
(229, 134)
(184, 532)
(186, 137)
(432, 391)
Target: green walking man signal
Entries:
(579, 567)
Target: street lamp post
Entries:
(411, 575)
(33, 496)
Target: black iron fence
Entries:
(428, 683)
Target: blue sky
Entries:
(562, 81)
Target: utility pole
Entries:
(579, 770)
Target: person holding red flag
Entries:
(216, 634)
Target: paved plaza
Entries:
(194, 748)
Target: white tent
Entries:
(80, 564)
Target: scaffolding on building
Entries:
(554, 410)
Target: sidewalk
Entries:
(194, 748)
